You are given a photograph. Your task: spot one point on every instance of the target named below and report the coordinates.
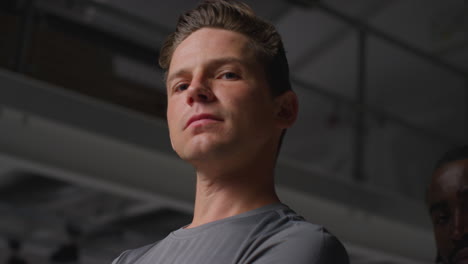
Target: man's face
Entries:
(448, 204)
(219, 104)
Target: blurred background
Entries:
(86, 167)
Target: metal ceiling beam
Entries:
(337, 36)
(361, 25)
(104, 39)
(144, 33)
(377, 112)
(360, 121)
(24, 35)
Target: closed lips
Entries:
(201, 117)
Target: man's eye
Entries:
(181, 87)
(229, 75)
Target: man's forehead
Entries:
(210, 46)
(454, 169)
(450, 178)
(213, 40)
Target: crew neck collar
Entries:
(184, 232)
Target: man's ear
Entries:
(286, 108)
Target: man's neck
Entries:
(224, 195)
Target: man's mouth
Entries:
(201, 118)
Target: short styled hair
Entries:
(459, 153)
(238, 17)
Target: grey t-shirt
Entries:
(270, 234)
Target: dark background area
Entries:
(86, 168)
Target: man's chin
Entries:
(198, 154)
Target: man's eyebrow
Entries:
(215, 63)
(176, 74)
(437, 206)
(227, 60)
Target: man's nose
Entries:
(199, 92)
(459, 224)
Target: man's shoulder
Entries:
(285, 223)
(302, 242)
(289, 223)
(299, 241)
